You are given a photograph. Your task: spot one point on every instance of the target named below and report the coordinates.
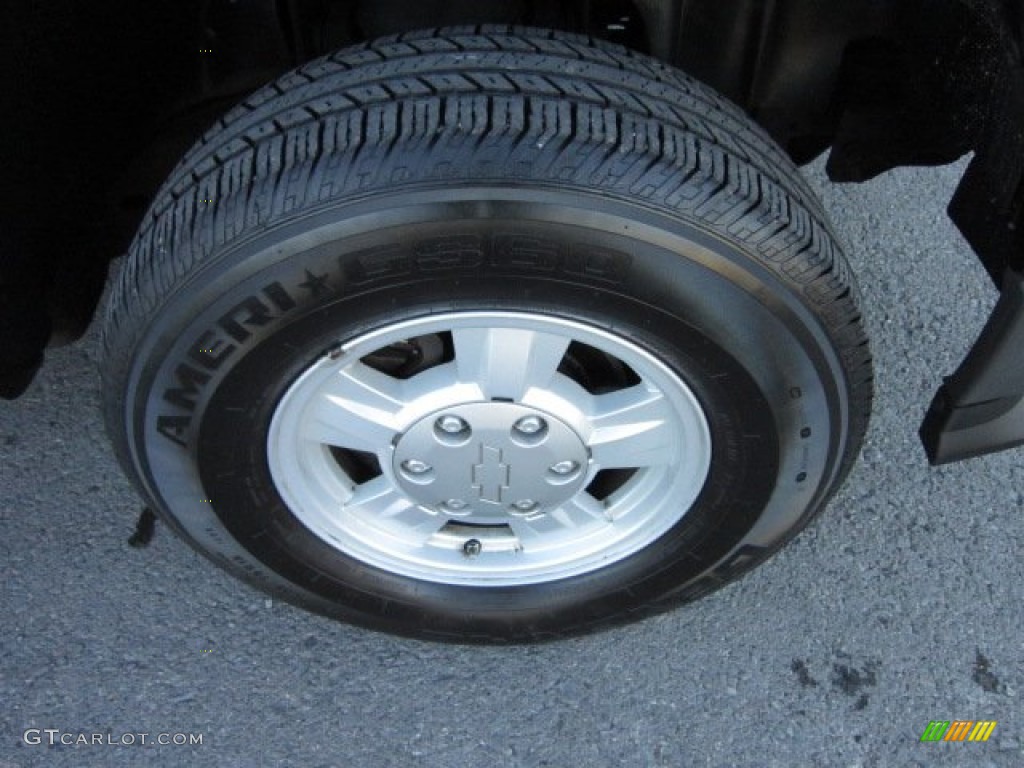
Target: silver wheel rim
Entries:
(488, 463)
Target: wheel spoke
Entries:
(578, 512)
(632, 429)
(581, 509)
(507, 362)
(378, 498)
(357, 409)
(378, 502)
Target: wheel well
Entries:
(888, 83)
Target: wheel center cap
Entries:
(490, 460)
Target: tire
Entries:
(486, 335)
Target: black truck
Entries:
(492, 320)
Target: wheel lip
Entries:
(677, 484)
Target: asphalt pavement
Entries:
(902, 605)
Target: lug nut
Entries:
(529, 425)
(451, 425)
(472, 548)
(416, 467)
(455, 504)
(564, 467)
(525, 505)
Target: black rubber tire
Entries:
(485, 168)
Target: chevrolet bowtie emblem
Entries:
(490, 476)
